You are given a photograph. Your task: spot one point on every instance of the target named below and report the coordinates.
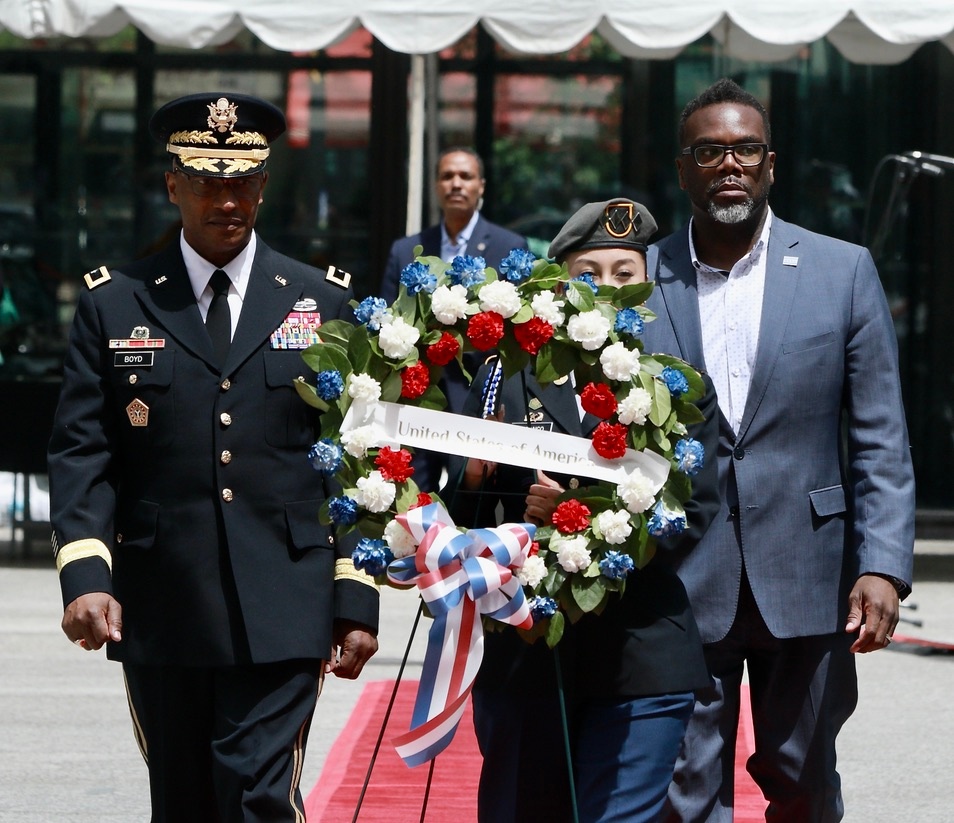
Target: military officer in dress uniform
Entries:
(184, 509)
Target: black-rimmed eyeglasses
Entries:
(710, 155)
(246, 187)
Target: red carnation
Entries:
(485, 330)
(609, 440)
(533, 334)
(571, 516)
(423, 499)
(444, 350)
(394, 465)
(598, 399)
(534, 549)
(415, 380)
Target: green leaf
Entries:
(633, 295)
(308, 393)
(555, 629)
(662, 403)
(337, 331)
(554, 360)
(391, 388)
(587, 592)
(580, 296)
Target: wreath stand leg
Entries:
(566, 734)
(384, 725)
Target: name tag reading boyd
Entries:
(136, 350)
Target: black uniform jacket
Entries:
(191, 479)
(645, 642)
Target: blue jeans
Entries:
(623, 756)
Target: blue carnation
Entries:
(417, 277)
(370, 311)
(329, 384)
(325, 456)
(690, 456)
(616, 565)
(629, 321)
(675, 381)
(541, 607)
(517, 265)
(343, 510)
(371, 556)
(588, 279)
(665, 523)
(467, 271)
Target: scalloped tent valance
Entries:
(864, 31)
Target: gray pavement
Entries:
(67, 753)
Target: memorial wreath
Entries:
(530, 313)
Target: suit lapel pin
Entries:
(281, 280)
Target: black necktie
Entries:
(218, 321)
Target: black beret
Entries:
(218, 134)
(612, 224)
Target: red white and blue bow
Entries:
(460, 577)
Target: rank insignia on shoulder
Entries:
(338, 277)
(97, 277)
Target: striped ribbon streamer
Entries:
(461, 577)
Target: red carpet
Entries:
(395, 793)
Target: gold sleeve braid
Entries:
(81, 549)
(345, 570)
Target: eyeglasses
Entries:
(710, 155)
(243, 187)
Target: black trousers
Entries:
(224, 744)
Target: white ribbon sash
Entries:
(397, 425)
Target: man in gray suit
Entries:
(805, 564)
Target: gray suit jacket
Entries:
(817, 487)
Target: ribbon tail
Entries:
(454, 652)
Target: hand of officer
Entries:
(354, 646)
(541, 500)
(477, 471)
(93, 619)
(873, 611)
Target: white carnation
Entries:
(636, 491)
(449, 304)
(364, 388)
(398, 338)
(614, 526)
(635, 407)
(532, 571)
(500, 296)
(375, 493)
(572, 553)
(357, 441)
(589, 328)
(547, 307)
(399, 539)
(618, 362)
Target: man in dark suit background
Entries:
(184, 509)
(462, 231)
(804, 564)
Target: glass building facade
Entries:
(81, 181)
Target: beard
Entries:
(736, 212)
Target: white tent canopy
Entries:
(864, 31)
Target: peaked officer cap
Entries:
(218, 134)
